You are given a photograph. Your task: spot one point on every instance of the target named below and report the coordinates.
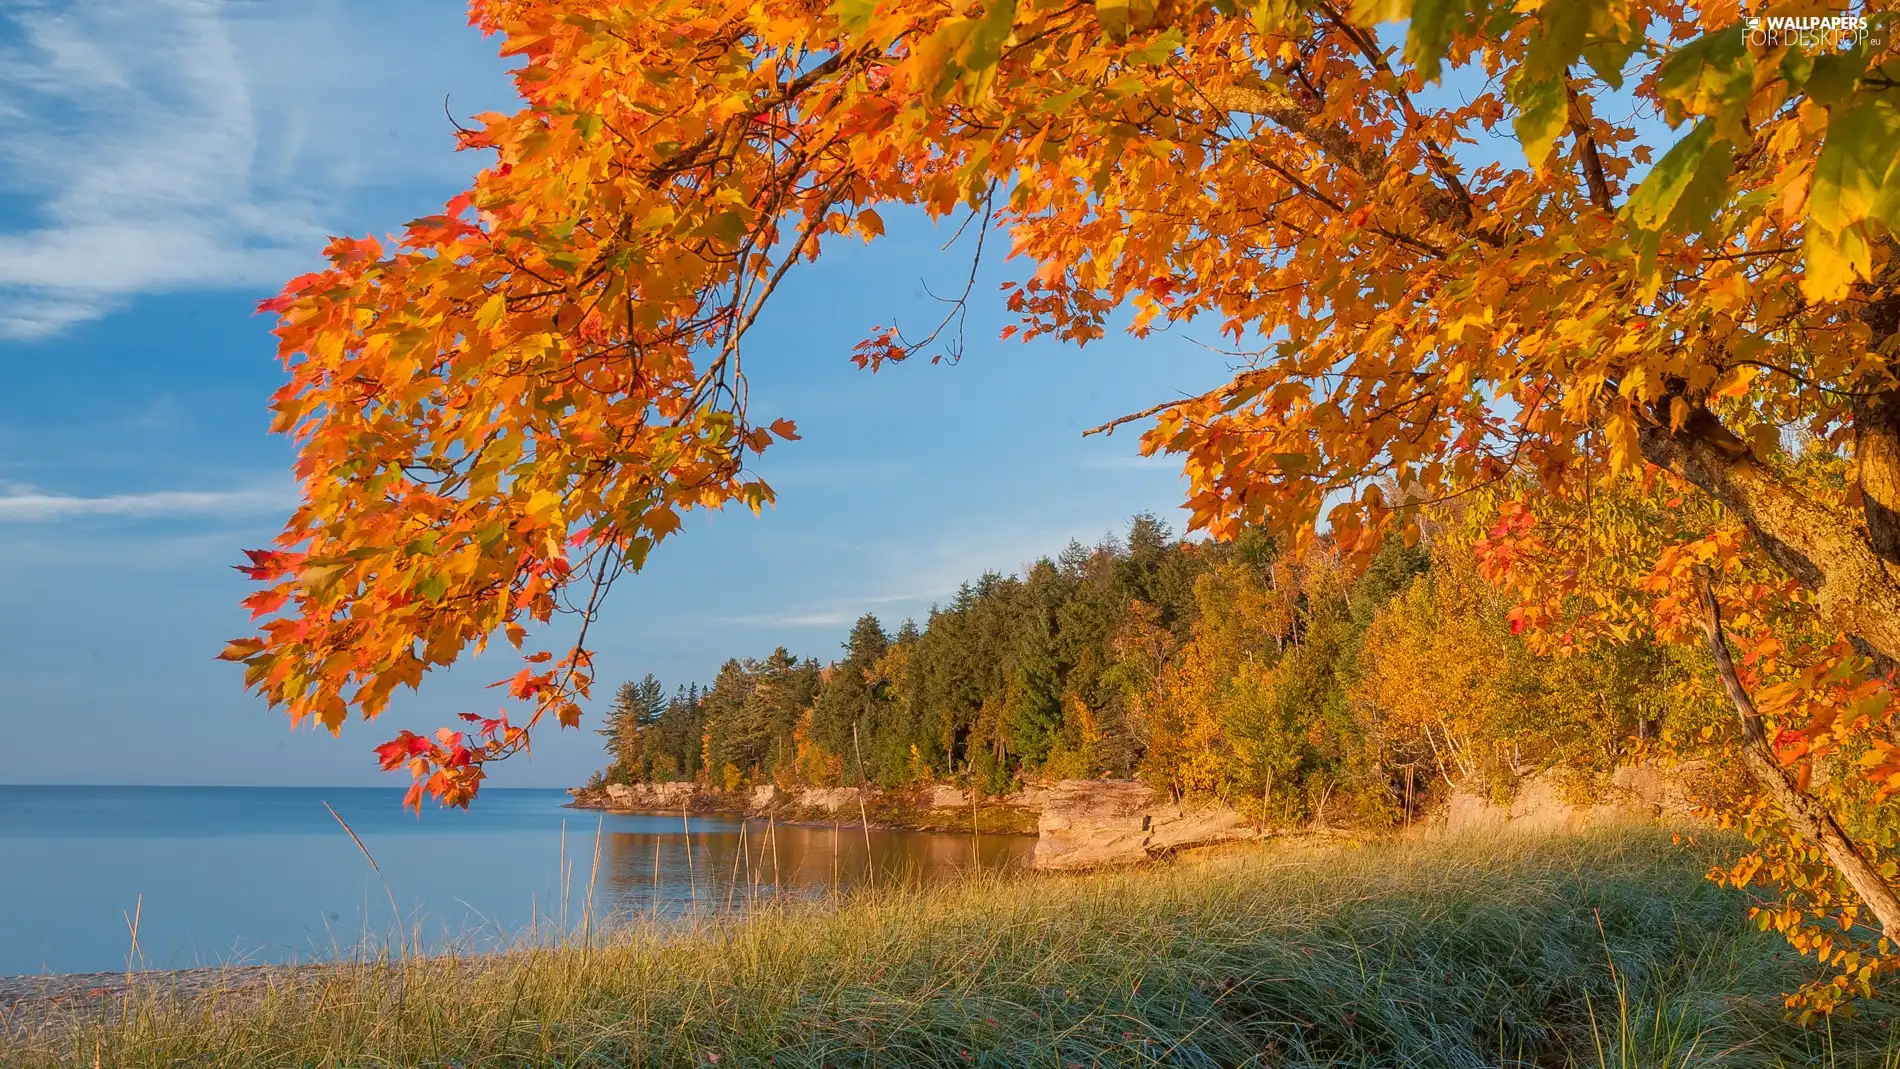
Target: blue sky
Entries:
(166, 163)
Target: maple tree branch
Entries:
(1591, 159)
(1272, 102)
(960, 305)
(1407, 240)
(1435, 156)
(1816, 545)
(1795, 376)
(1109, 427)
(1805, 815)
(690, 156)
(807, 233)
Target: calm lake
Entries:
(264, 874)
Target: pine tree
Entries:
(850, 697)
(636, 707)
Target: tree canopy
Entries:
(507, 406)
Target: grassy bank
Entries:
(1605, 951)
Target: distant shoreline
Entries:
(928, 807)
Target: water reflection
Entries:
(248, 874)
(728, 864)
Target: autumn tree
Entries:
(1625, 575)
(507, 406)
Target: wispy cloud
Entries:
(25, 506)
(915, 576)
(834, 615)
(162, 145)
(130, 125)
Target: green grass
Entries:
(1608, 951)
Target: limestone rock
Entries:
(1094, 823)
(663, 796)
(829, 799)
(944, 796)
(1636, 794)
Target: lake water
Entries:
(245, 874)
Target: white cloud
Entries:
(835, 615)
(163, 145)
(918, 575)
(18, 505)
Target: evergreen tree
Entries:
(636, 706)
(850, 699)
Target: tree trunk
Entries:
(1877, 455)
(1809, 819)
(1822, 548)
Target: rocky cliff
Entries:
(931, 807)
(1095, 823)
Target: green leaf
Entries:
(317, 577)
(1608, 58)
(1373, 12)
(1434, 22)
(1711, 75)
(984, 46)
(1831, 78)
(1706, 193)
(1059, 103)
(1543, 112)
(1279, 16)
(1557, 38)
(1797, 66)
(1119, 18)
(432, 587)
(588, 125)
(1655, 200)
(727, 227)
(853, 15)
(1858, 174)
(1158, 48)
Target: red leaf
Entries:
(401, 748)
(265, 602)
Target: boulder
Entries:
(829, 799)
(1635, 794)
(764, 797)
(663, 796)
(672, 795)
(1095, 823)
(944, 796)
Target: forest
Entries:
(1281, 683)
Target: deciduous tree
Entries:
(507, 406)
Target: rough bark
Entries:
(1877, 456)
(1822, 548)
(1809, 819)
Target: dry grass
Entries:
(1607, 951)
